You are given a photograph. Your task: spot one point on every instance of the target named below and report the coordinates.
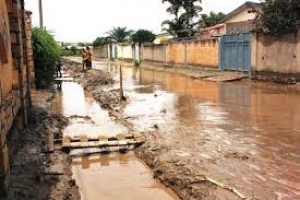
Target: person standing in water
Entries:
(88, 58)
(83, 54)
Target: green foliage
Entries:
(100, 41)
(186, 17)
(119, 34)
(46, 53)
(279, 17)
(81, 44)
(211, 19)
(143, 36)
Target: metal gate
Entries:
(235, 52)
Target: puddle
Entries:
(100, 176)
(117, 176)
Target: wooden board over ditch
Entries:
(84, 141)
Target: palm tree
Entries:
(119, 34)
(185, 18)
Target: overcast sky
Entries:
(78, 20)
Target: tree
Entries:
(279, 17)
(143, 36)
(81, 44)
(46, 53)
(186, 17)
(211, 19)
(100, 41)
(119, 34)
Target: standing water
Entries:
(114, 176)
(251, 133)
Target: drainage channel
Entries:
(105, 176)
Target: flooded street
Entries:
(242, 134)
(101, 176)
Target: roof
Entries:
(210, 28)
(163, 34)
(247, 4)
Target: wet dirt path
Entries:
(245, 135)
(114, 176)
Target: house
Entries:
(16, 74)
(162, 38)
(215, 30)
(241, 20)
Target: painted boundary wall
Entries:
(101, 52)
(156, 53)
(276, 54)
(203, 53)
(125, 51)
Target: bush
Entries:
(46, 53)
(279, 17)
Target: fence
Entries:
(202, 53)
(276, 54)
(156, 53)
(101, 52)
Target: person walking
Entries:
(58, 68)
(88, 58)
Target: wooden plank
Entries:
(122, 139)
(66, 142)
(93, 138)
(96, 144)
(103, 141)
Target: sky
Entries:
(84, 20)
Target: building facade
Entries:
(16, 78)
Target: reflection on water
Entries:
(87, 117)
(259, 121)
(105, 176)
(244, 134)
(117, 176)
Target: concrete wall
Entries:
(176, 53)
(16, 65)
(276, 54)
(125, 51)
(101, 52)
(155, 53)
(203, 53)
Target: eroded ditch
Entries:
(100, 176)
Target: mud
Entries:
(275, 77)
(207, 140)
(36, 173)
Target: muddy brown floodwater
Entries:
(113, 176)
(242, 134)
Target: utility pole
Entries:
(41, 13)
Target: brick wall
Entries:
(14, 90)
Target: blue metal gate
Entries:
(235, 52)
